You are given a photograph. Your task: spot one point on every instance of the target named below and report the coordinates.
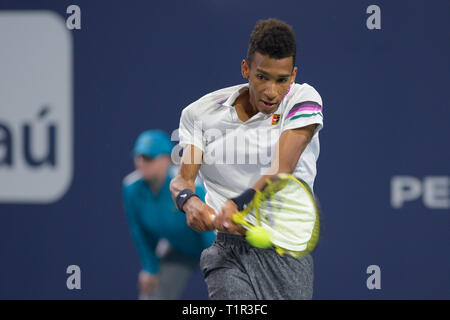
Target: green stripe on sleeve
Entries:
(306, 115)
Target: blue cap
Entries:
(153, 143)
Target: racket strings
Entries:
(260, 200)
(266, 202)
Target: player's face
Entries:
(269, 80)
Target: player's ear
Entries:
(294, 74)
(245, 69)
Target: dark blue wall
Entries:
(138, 63)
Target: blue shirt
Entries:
(155, 216)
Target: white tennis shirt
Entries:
(236, 154)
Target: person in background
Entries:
(168, 249)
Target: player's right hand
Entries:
(199, 215)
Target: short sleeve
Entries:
(306, 109)
(190, 129)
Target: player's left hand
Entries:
(223, 221)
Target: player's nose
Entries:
(270, 92)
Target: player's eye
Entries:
(282, 80)
(260, 77)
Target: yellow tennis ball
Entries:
(258, 237)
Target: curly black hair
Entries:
(272, 37)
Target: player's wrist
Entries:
(244, 198)
(183, 197)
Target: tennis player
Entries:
(168, 249)
(227, 136)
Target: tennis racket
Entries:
(288, 211)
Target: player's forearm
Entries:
(289, 149)
(198, 214)
(179, 183)
(262, 181)
(190, 165)
(245, 197)
(286, 166)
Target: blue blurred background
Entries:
(136, 64)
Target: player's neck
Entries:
(244, 109)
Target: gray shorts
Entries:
(233, 270)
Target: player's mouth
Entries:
(268, 105)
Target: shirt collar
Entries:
(231, 99)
